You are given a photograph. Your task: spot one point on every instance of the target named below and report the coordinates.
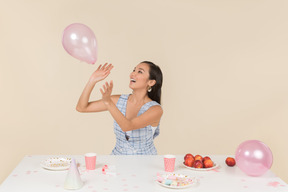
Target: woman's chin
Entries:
(131, 86)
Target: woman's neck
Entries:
(139, 97)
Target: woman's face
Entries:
(139, 78)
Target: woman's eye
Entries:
(140, 72)
(133, 70)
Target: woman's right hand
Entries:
(101, 73)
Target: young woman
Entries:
(137, 115)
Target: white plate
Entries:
(179, 176)
(56, 163)
(202, 169)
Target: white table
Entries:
(136, 173)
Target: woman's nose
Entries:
(132, 74)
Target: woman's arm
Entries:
(83, 104)
(152, 115)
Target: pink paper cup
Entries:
(90, 161)
(169, 163)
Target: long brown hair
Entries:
(155, 73)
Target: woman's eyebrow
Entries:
(142, 69)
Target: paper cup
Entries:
(90, 161)
(169, 163)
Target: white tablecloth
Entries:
(136, 173)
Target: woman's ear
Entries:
(151, 83)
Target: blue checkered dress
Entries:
(140, 141)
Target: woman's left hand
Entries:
(106, 92)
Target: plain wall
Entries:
(224, 64)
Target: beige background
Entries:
(224, 64)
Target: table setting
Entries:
(94, 173)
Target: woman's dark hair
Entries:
(155, 73)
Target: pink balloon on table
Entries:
(80, 42)
(254, 157)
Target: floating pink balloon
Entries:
(254, 157)
(80, 42)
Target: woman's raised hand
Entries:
(106, 92)
(101, 73)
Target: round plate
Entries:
(202, 169)
(56, 163)
(180, 177)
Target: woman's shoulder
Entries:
(153, 106)
(154, 110)
(153, 103)
(157, 107)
